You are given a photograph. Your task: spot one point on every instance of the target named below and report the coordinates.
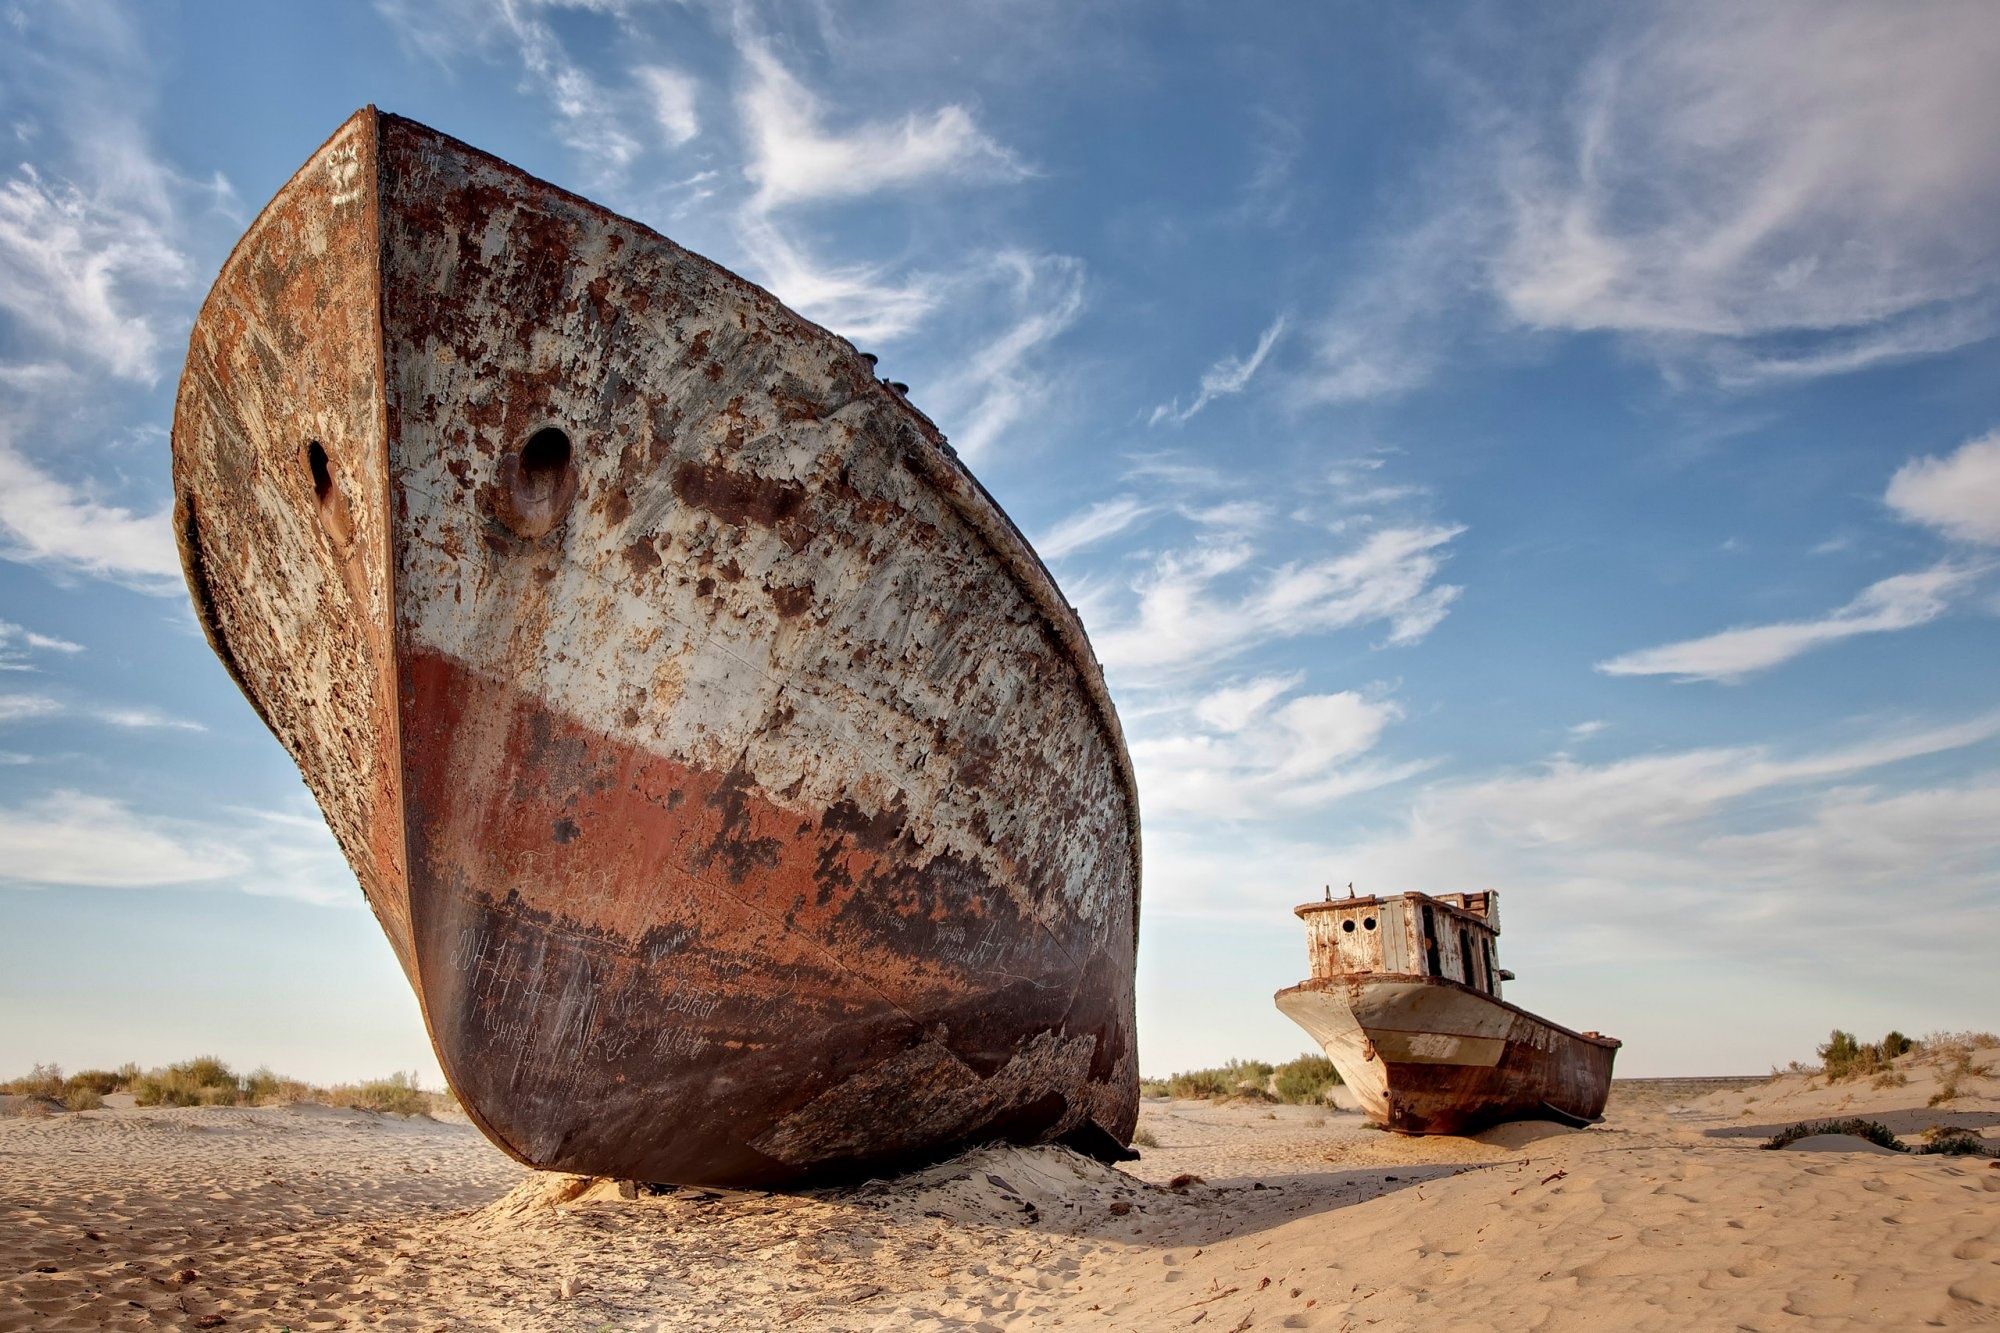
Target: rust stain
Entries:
(736, 787)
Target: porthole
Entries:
(1368, 923)
(537, 483)
(328, 499)
(1347, 926)
(316, 464)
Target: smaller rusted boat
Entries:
(1405, 999)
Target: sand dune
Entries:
(1668, 1216)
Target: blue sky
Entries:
(1556, 452)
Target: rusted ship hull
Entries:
(737, 790)
(1428, 1055)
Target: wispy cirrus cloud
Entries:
(1795, 168)
(75, 267)
(1087, 527)
(27, 707)
(18, 645)
(1957, 495)
(603, 121)
(860, 300)
(1753, 194)
(1231, 375)
(1002, 379)
(1203, 605)
(1895, 603)
(794, 158)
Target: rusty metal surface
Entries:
(291, 578)
(759, 811)
(1405, 1000)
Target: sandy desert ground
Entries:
(1667, 1216)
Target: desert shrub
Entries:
(1843, 1057)
(1145, 1138)
(1154, 1087)
(261, 1087)
(1946, 1045)
(1872, 1130)
(398, 1093)
(202, 1081)
(1304, 1081)
(42, 1081)
(83, 1097)
(1238, 1078)
(99, 1081)
(1201, 1084)
(1954, 1141)
(1891, 1078)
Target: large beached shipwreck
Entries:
(739, 793)
(1404, 998)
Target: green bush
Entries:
(1843, 1057)
(1304, 1081)
(1954, 1141)
(1872, 1130)
(1224, 1083)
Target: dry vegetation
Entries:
(1300, 1082)
(1953, 1054)
(1939, 1140)
(207, 1081)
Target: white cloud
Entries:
(1187, 619)
(673, 96)
(1231, 708)
(143, 719)
(859, 301)
(1732, 171)
(1754, 193)
(22, 707)
(1898, 602)
(1565, 802)
(90, 245)
(596, 121)
(1383, 336)
(795, 159)
(1745, 169)
(1959, 494)
(1231, 375)
(72, 268)
(26, 707)
(17, 644)
(44, 520)
(1683, 852)
(997, 383)
(70, 839)
(1241, 755)
(1087, 527)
